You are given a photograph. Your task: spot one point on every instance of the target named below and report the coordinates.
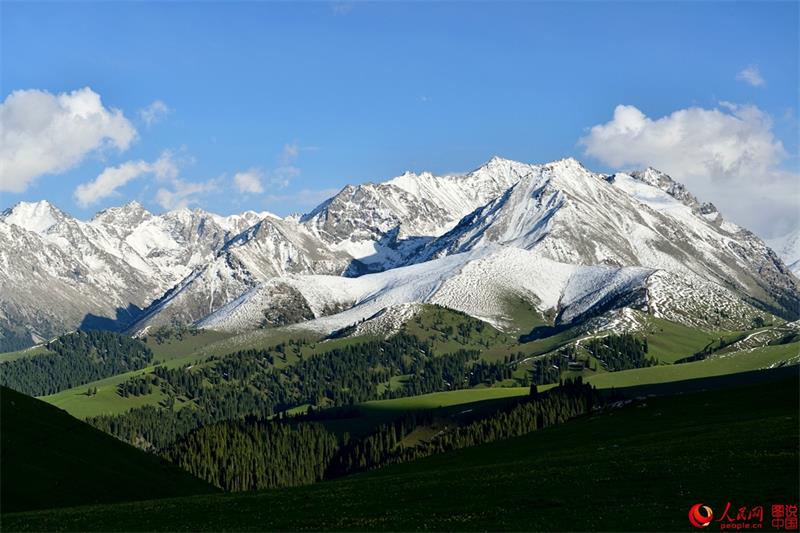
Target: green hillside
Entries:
(763, 357)
(75, 359)
(50, 459)
(442, 330)
(26, 352)
(639, 467)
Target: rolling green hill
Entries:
(75, 359)
(763, 357)
(26, 352)
(639, 467)
(50, 459)
(440, 404)
(440, 328)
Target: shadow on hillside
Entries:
(750, 377)
(391, 251)
(542, 332)
(124, 317)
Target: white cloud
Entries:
(289, 153)
(109, 181)
(43, 133)
(165, 166)
(253, 181)
(112, 178)
(732, 141)
(249, 181)
(286, 170)
(184, 193)
(728, 155)
(154, 112)
(752, 76)
(281, 177)
(341, 8)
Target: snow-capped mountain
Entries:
(269, 249)
(383, 224)
(484, 283)
(573, 243)
(788, 249)
(171, 245)
(58, 273)
(574, 216)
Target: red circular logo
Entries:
(700, 515)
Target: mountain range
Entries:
(575, 245)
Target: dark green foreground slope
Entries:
(50, 459)
(639, 467)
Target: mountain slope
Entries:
(382, 224)
(51, 459)
(99, 273)
(269, 249)
(788, 249)
(483, 283)
(696, 268)
(571, 215)
(46, 289)
(195, 267)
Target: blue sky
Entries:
(306, 97)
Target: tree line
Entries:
(248, 383)
(254, 454)
(572, 398)
(620, 352)
(75, 359)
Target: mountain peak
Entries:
(496, 160)
(567, 162)
(128, 214)
(498, 163)
(34, 216)
(185, 213)
(660, 180)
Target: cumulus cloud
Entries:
(109, 181)
(184, 193)
(44, 133)
(752, 76)
(731, 140)
(249, 181)
(112, 178)
(728, 155)
(154, 112)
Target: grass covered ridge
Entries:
(50, 459)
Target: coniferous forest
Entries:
(255, 454)
(620, 352)
(247, 383)
(76, 358)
